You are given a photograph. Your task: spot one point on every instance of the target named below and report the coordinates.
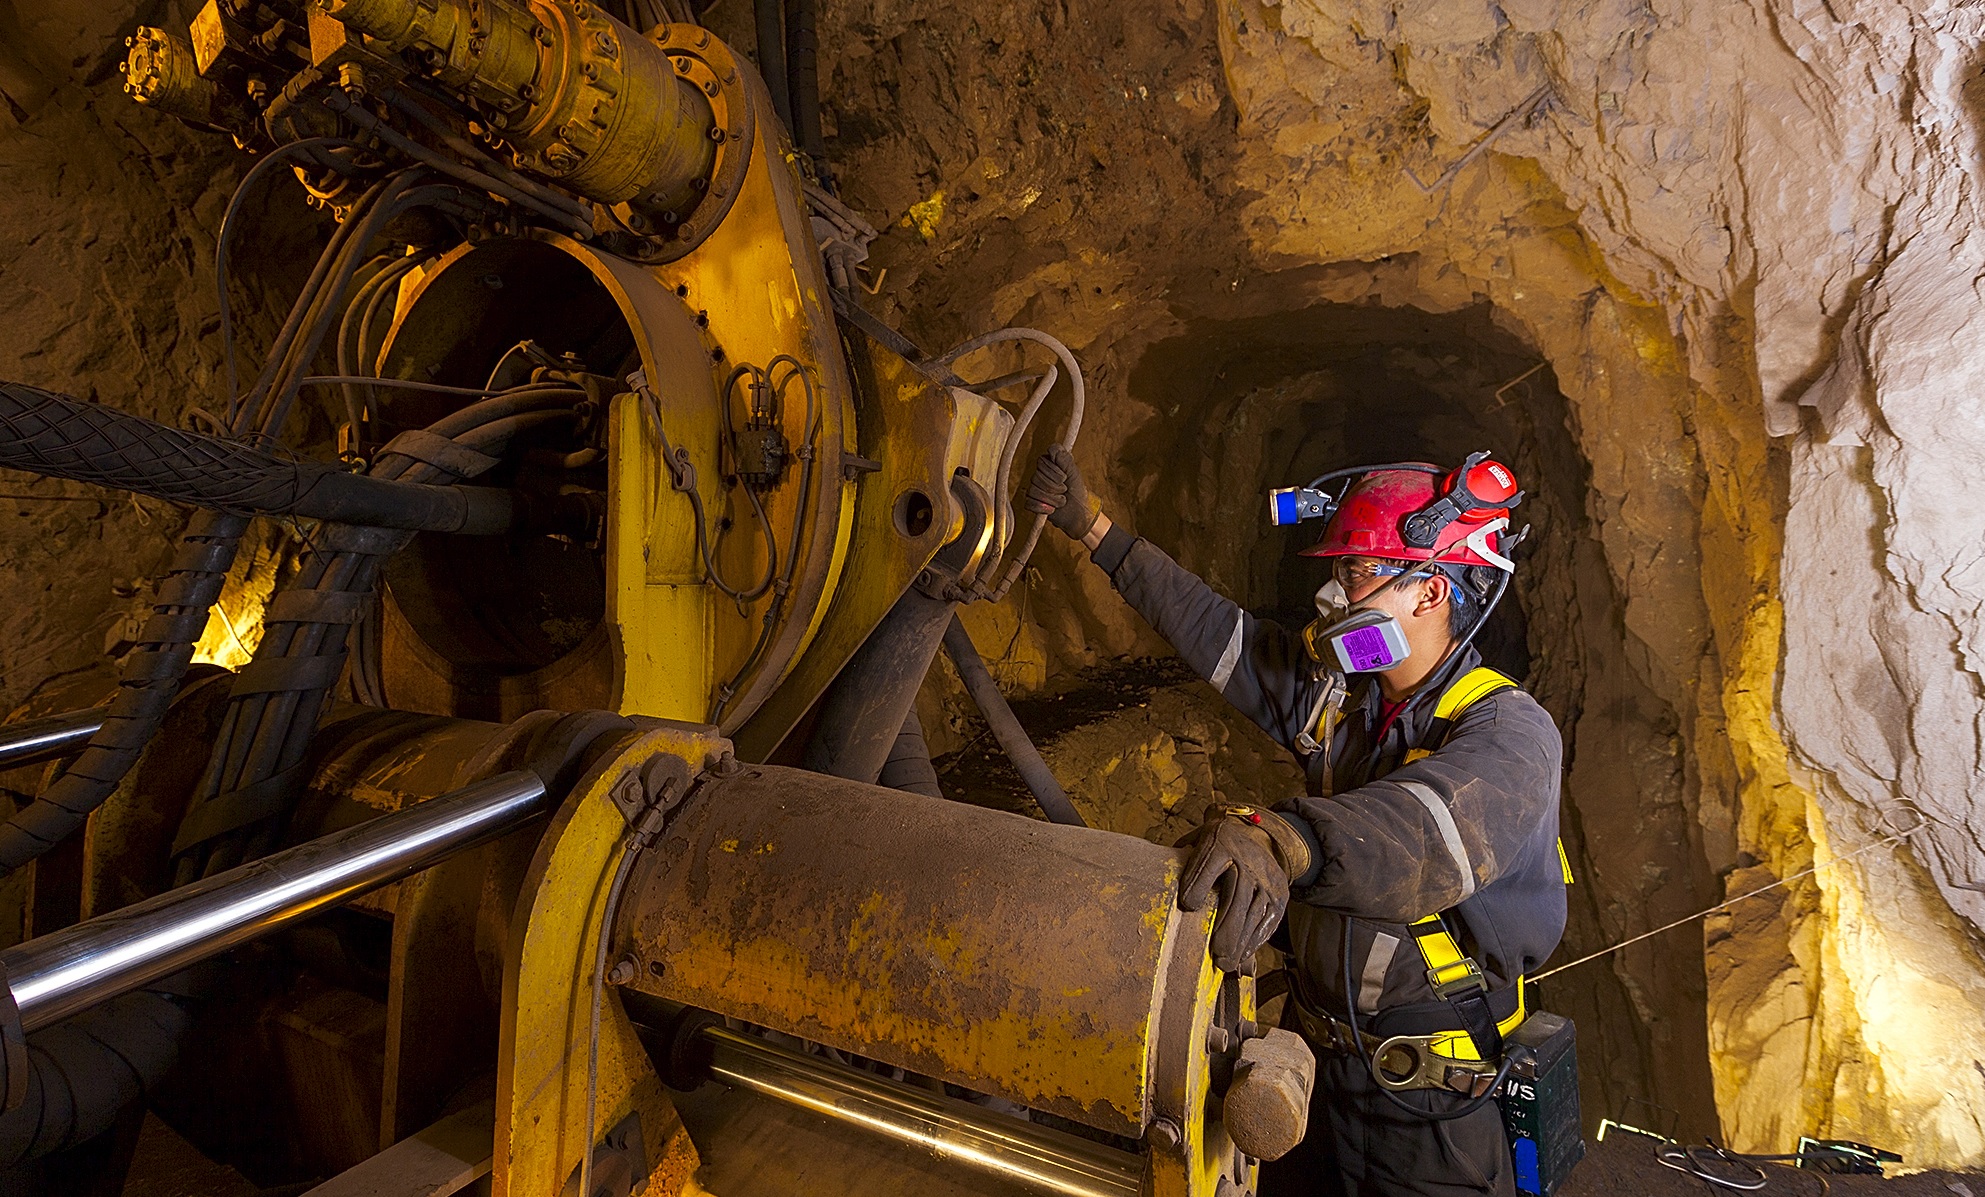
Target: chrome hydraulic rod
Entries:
(45, 739)
(67, 971)
(1036, 1157)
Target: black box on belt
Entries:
(1539, 1102)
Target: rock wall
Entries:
(108, 216)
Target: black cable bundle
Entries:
(253, 776)
(153, 671)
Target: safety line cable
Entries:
(1894, 838)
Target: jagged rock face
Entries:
(1742, 237)
(1791, 187)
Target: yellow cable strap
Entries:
(1446, 964)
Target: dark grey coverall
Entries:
(1470, 830)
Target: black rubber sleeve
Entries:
(909, 766)
(46, 433)
(82, 1072)
(145, 689)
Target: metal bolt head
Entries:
(1165, 1133)
(624, 971)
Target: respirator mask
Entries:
(1360, 639)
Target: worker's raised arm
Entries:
(1256, 664)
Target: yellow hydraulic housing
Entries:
(1045, 965)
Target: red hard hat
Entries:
(1370, 522)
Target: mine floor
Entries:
(755, 1148)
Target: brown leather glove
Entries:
(1057, 490)
(1237, 853)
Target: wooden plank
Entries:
(445, 1158)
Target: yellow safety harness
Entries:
(1454, 975)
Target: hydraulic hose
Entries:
(149, 682)
(771, 31)
(62, 437)
(1006, 729)
(802, 68)
(81, 1073)
(46, 433)
(863, 712)
(908, 767)
(252, 777)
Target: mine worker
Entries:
(1423, 860)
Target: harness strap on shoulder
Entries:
(1453, 975)
(1471, 688)
(1467, 690)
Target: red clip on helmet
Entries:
(1412, 513)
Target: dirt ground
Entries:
(1624, 1166)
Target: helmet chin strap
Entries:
(1508, 570)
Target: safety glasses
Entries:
(1352, 572)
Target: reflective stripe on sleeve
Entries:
(1224, 670)
(1444, 819)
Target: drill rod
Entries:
(56, 975)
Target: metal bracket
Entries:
(659, 787)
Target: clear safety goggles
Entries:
(1353, 572)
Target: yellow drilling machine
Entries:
(571, 825)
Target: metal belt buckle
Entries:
(1453, 984)
(1410, 1062)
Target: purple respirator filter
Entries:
(1372, 642)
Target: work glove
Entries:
(1057, 491)
(1247, 856)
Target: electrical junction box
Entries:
(1539, 1102)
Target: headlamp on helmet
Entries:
(1294, 504)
